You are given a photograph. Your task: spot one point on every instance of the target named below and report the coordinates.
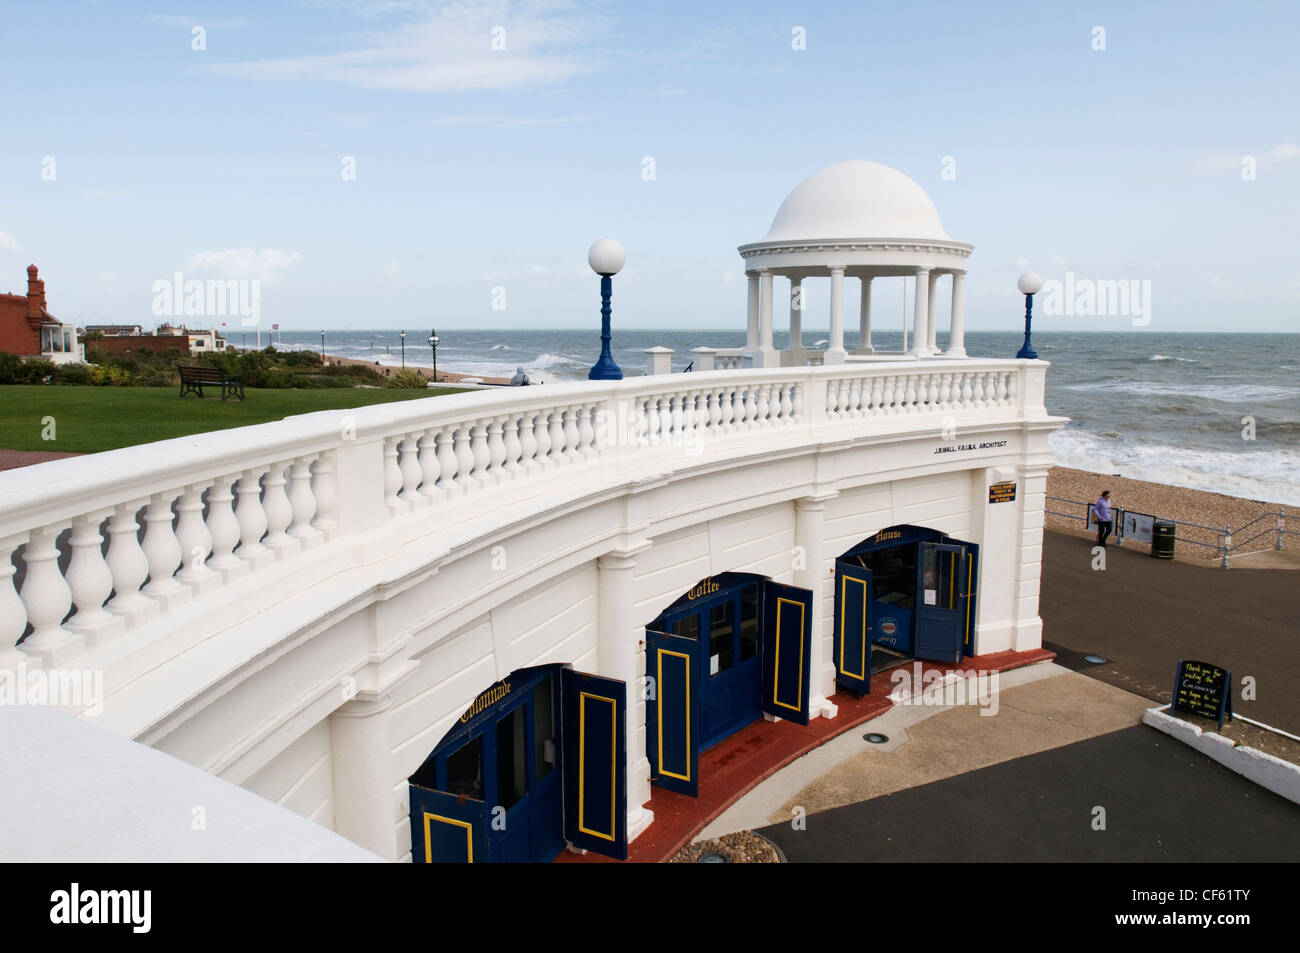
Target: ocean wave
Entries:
(1224, 393)
(1181, 360)
(501, 347)
(1263, 474)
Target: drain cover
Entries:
(875, 738)
(713, 857)
(1095, 659)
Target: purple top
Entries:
(1102, 510)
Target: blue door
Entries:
(941, 600)
(853, 626)
(672, 712)
(787, 657)
(724, 628)
(492, 790)
(594, 729)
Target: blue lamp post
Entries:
(606, 258)
(1029, 285)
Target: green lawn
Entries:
(89, 419)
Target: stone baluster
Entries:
(764, 405)
(430, 466)
(542, 437)
(13, 614)
(252, 519)
(195, 540)
(325, 490)
(513, 448)
(47, 597)
(447, 462)
(496, 450)
(652, 421)
(409, 466)
(279, 511)
(978, 398)
(129, 566)
(750, 407)
(482, 454)
(91, 582)
(224, 529)
(392, 477)
(571, 435)
(665, 420)
(163, 551)
(877, 396)
(527, 443)
(909, 395)
(303, 503)
(1012, 396)
(689, 415)
(787, 403)
(587, 432)
(557, 437)
(963, 381)
(464, 458)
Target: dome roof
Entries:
(856, 199)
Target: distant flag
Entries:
(275, 327)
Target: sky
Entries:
(392, 163)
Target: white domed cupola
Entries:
(856, 199)
(854, 219)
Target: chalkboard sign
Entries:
(1203, 689)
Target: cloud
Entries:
(104, 193)
(9, 243)
(264, 265)
(450, 49)
(501, 122)
(392, 270)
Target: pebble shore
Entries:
(1167, 502)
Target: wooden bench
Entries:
(194, 379)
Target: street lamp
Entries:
(606, 257)
(403, 337)
(433, 346)
(1029, 285)
(322, 348)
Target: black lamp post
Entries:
(322, 348)
(433, 346)
(606, 258)
(403, 337)
(1029, 285)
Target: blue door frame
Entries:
(492, 790)
(926, 632)
(720, 618)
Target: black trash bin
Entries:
(1162, 539)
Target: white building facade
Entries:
(407, 621)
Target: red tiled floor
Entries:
(736, 765)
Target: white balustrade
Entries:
(265, 495)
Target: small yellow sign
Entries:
(1002, 493)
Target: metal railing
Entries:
(1224, 545)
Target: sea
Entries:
(1209, 411)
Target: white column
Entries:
(931, 324)
(620, 655)
(957, 322)
(835, 352)
(796, 314)
(809, 534)
(864, 317)
(765, 304)
(361, 755)
(921, 308)
(751, 314)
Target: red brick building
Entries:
(28, 329)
